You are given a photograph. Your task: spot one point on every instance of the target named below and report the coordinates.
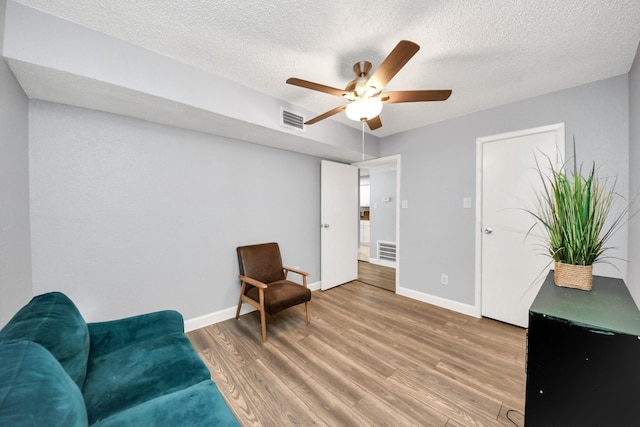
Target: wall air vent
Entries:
(291, 120)
(387, 250)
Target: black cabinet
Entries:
(583, 356)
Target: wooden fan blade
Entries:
(415, 96)
(325, 115)
(375, 123)
(316, 86)
(398, 57)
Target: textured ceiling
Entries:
(489, 52)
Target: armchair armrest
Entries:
(253, 282)
(304, 274)
(295, 270)
(106, 337)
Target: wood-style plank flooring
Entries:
(377, 275)
(368, 358)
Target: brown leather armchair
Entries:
(265, 285)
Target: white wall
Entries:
(438, 171)
(633, 278)
(63, 62)
(382, 214)
(15, 248)
(130, 216)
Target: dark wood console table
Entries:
(583, 356)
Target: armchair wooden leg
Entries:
(263, 317)
(244, 286)
(263, 322)
(307, 307)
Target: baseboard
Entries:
(226, 314)
(315, 286)
(382, 262)
(469, 310)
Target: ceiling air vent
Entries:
(291, 120)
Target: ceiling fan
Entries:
(365, 92)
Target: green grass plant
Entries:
(573, 209)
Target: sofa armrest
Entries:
(112, 335)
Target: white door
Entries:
(512, 263)
(339, 224)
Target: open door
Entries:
(339, 224)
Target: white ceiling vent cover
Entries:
(291, 120)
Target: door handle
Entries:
(488, 230)
(324, 225)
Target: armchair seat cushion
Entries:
(280, 295)
(140, 372)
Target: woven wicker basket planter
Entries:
(573, 276)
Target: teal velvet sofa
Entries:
(57, 370)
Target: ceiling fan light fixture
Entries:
(364, 109)
(365, 92)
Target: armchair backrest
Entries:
(262, 262)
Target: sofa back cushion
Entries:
(35, 390)
(53, 321)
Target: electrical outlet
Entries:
(444, 279)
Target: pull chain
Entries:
(362, 139)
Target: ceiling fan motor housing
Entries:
(358, 85)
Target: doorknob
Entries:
(488, 230)
(324, 225)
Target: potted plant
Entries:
(573, 210)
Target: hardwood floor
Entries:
(368, 358)
(377, 275)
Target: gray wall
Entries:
(15, 249)
(633, 278)
(382, 214)
(439, 167)
(130, 216)
(115, 76)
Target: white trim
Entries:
(469, 310)
(226, 314)
(215, 317)
(559, 129)
(383, 262)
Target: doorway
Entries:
(364, 214)
(379, 211)
(509, 264)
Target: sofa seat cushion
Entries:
(200, 405)
(140, 372)
(53, 321)
(35, 390)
